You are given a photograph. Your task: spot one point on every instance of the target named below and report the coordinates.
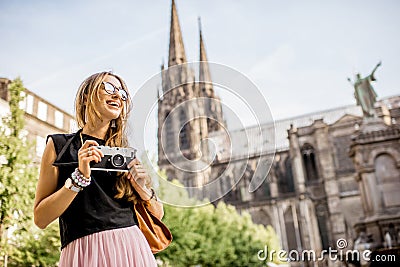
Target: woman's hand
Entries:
(87, 153)
(138, 178)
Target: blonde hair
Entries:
(87, 113)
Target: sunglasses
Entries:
(112, 90)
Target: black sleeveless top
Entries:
(94, 209)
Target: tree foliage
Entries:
(38, 248)
(18, 174)
(213, 236)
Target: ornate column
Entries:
(295, 157)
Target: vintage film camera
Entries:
(115, 159)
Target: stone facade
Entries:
(314, 194)
(375, 150)
(41, 117)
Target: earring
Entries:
(113, 124)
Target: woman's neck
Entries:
(98, 131)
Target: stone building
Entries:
(41, 117)
(375, 150)
(187, 110)
(333, 175)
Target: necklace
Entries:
(80, 134)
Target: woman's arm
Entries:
(49, 203)
(155, 206)
(138, 178)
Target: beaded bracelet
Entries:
(79, 179)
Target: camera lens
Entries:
(117, 160)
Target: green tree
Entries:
(18, 176)
(39, 248)
(212, 236)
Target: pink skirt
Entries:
(112, 248)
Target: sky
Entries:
(298, 53)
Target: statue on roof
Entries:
(365, 93)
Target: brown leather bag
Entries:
(156, 232)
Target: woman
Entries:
(97, 222)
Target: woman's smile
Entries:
(114, 103)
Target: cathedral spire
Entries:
(204, 75)
(176, 49)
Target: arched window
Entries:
(285, 178)
(168, 142)
(388, 179)
(183, 131)
(386, 170)
(289, 175)
(290, 229)
(309, 162)
(321, 211)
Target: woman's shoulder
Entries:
(60, 137)
(59, 140)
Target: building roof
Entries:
(262, 139)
